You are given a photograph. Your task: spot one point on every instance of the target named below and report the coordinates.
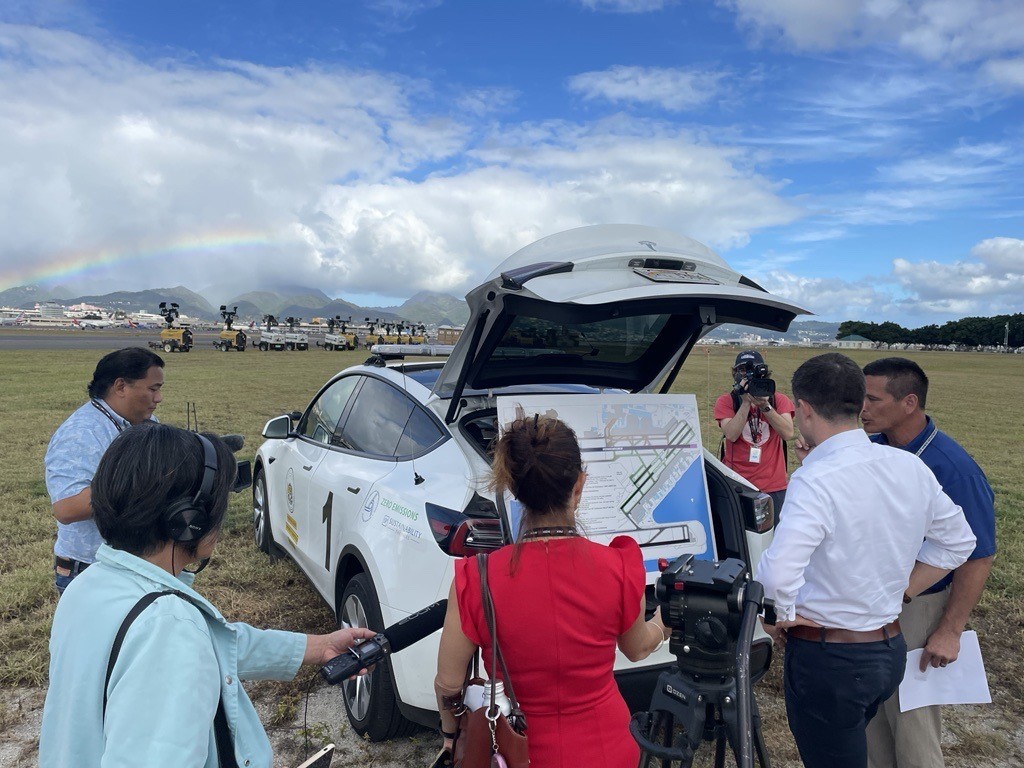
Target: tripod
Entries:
(687, 708)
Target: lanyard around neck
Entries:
(105, 412)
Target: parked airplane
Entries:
(19, 320)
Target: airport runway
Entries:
(106, 339)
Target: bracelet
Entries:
(449, 735)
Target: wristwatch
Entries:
(767, 408)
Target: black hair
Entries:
(832, 384)
(903, 377)
(145, 469)
(130, 364)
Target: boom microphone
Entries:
(395, 638)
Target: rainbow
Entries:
(85, 262)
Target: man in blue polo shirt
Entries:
(125, 390)
(894, 409)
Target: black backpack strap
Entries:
(221, 731)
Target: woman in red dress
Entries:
(562, 603)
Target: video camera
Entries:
(711, 608)
(755, 381)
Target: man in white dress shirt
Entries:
(845, 554)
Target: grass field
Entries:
(971, 398)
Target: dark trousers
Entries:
(778, 497)
(833, 690)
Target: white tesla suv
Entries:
(382, 481)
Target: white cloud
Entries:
(672, 89)
(989, 283)
(941, 31)
(1007, 71)
(626, 6)
(328, 176)
(828, 297)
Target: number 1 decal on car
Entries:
(327, 519)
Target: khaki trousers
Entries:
(910, 739)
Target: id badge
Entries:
(755, 454)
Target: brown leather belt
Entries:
(74, 566)
(833, 635)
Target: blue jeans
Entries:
(833, 690)
(61, 582)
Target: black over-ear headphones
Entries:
(188, 520)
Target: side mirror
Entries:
(278, 428)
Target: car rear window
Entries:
(615, 340)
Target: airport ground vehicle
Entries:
(174, 337)
(337, 336)
(295, 339)
(269, 338)
(375, 487)
(230, 338)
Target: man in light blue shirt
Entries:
(125, 390)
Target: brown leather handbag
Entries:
(485, 738)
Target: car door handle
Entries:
(307, 467)
(353, 490)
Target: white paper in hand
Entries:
(962, 682)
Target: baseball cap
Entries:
(748, 357)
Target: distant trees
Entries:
(968, 331)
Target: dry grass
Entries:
(971, 399)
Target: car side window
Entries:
(378, 418)
(323, 415)
(420, 435)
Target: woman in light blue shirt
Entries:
(159, 498)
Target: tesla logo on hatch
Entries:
(649, 244)
(370, 506)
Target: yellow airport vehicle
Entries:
(173, 338)
(230, 338)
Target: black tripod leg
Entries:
(720, 748)
(760, 748)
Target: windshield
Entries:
(617, 340)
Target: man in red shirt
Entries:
(754, 428)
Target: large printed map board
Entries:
(645, 469)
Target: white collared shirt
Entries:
(855, 516)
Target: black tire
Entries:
(224, 346)
(370, 700)
(264, 346)
(262, 534)
(167, 347)
(329, 347)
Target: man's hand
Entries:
(761, 403)
(801, 447)
(942, 648)
(798, 621)
(322, 648)
(775, 632)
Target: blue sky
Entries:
(863, 157)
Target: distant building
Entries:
(854, 341)
(51, 310)
(448, 334)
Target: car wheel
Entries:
(224, 346)
(370, 699)
(167, 346)
(261, 516)
(264, 346)
(329, 347)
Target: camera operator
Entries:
(170, 693)
(844, 556)
(754, 429)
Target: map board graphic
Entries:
(645, 469)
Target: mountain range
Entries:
(292, 301)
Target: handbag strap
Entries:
(221, 731)
(517, 716)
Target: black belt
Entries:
(75, 566)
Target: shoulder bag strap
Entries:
(497, 660)
(221, 731)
